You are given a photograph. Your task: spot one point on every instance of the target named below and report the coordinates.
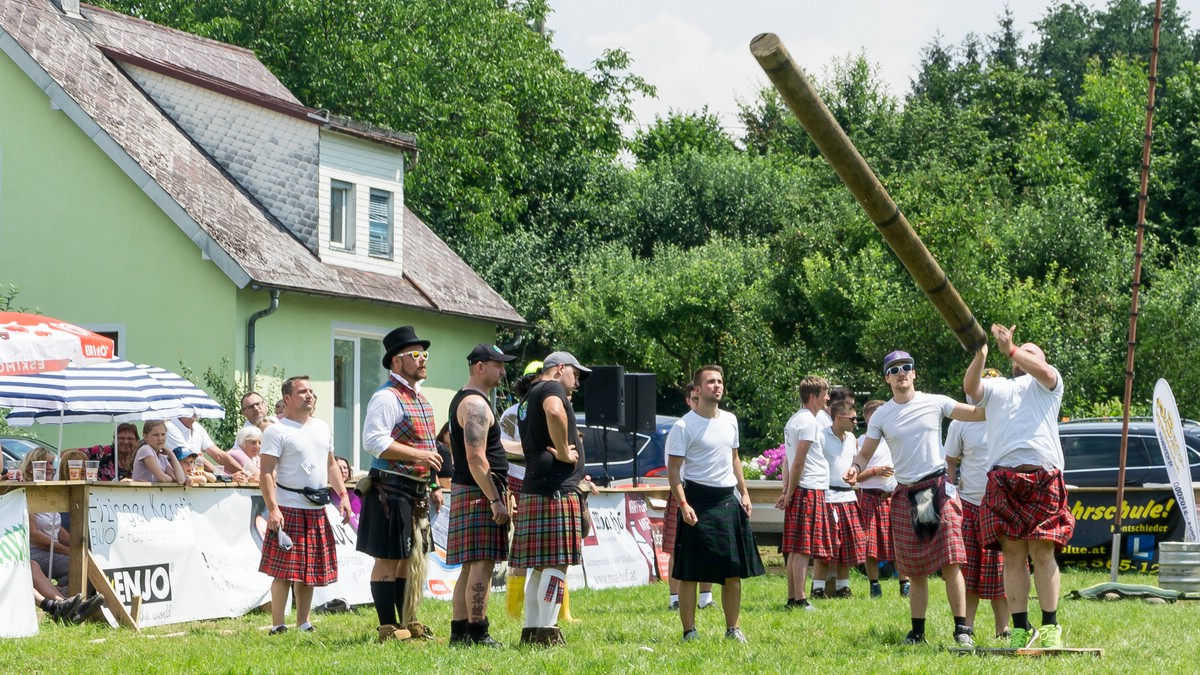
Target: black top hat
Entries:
(398, 339)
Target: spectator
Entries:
(245, 452)
(254, 408)
(279, 409)
(154, 463)
(49, 541)
(192, 468)
(66, 456)
(355, 500)
(187, 432)
(127, 442)
(445, 473)
(267, 421)
(74, 609)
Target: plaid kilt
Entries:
(547, 531)
(670, 523)
(984, 570)
(720, 545)
(922, 557)
(847, 535)
(808, 525)
(1025, 506)
(312, 560)
(473, 535)
(514, 484)
(875, 510)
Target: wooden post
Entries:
(96, 576)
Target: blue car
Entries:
(651, 449)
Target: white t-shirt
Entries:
(839, 452)
(1022, 421)
(824, 421)
(510, 432)
(913, 431)
(706, 446)
(196, 438)
(303, 458)
(968, 440)
(882, 457)
(803, 427)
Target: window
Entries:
(380, 215)
(112, 331)
(341, 214)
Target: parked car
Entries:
(16, 447)
(620, 444)
(1092, 450)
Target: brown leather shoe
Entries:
(548, 637)
(390, 632)
(527, 635)
(419, 630)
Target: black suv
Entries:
(1092, 451)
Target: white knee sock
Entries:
(533, 579)
(550, 596)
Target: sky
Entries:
(697, 51)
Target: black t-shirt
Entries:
(447, 470)
(544, 474)
(497, 461)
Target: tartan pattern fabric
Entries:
(923, 557)
(547, 531)
(721, 544)
(808, 525)
(473, 534)
(1025, 506)
(514, 484)
(417, 428)
(312, 559)
(984, 570)
(847, 535)
(875, 510)
(670, 523)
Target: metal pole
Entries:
(1143, 198)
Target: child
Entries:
(192, 468)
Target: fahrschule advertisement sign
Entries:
(1148, 516)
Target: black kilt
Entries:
(720, 545)
(385, 526)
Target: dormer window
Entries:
(341, 215)
(379, 214)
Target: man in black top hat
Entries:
(399, 430)
(479, 515)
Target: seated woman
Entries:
(49, 541)
(127, 444)
(75, 609)
(63, 473)
(351, 494)
(245, 452)
(153, 462)
(192, 468)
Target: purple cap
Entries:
(896, 357)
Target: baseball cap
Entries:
(485, 352)
(182, 453)
(896, 357)
(566, 359)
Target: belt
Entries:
(392, 483)
(1020, 468)
(936, 474)
(876, 491)
(838, 488)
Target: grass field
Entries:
(631, 631)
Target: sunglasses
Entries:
(417, 355)
(904, 367)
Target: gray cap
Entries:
(566, 359)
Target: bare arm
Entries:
(42, 540)
(861, 460)
(968, 413)
(476, 418)
(792, 475)
(1027, 361)
(973, 378)
(267, 486)
(674, 467)
(740, 476)
(559, 425)
(224, 459)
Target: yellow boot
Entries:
(514, 595)
(564, 612)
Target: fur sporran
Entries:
(926, 510)
(414, 592)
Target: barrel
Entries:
(1179, 566)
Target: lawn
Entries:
(631, 631)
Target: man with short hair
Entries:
(187, 432)
(254, 408)
(876, 483)
(479, 516)
(671, 520)
(806, 516)
(926, 512)
(1024, 510)
(399, 430)
(299, 551)
(714, 542)
(548, 525)
(839, 393)
(846, 533)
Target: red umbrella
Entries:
(31, 343)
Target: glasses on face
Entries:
(253, 405)
(902, 368)
(417, 355)
(852, 418)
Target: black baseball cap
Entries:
(484, 352)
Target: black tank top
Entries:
(458, 448)
(544, 474)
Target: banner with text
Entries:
(1147, 518)
(1174, 449)
(16, 582)
(612, 554)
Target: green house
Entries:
(169, 191)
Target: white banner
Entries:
(1170, 439)
(612, 557)
(16, 583)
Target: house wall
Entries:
(364, 165)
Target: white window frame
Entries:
(346, 190)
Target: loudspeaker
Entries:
(640, 400)
(604, 396)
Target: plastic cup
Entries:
(92, 470)
(75, 469)
(39, 472)
(218, 470)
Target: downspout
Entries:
(250, 336)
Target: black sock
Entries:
(802, 602)
(1050, 618)
(1021, 620)
(398, 599)
(919, 626)
(959, 621)
(382, 593)
(874, 582)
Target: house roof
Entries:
(66, 58)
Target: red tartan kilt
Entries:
(875, 510)
(473, 534)
(670, 524)
(922, 557)
(514, 484)
(984, 570)
(1025, 506)
(547, 532)
(312, 560)
(848, 537)
(808, 524)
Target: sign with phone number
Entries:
(1148, 516)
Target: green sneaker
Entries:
(1051, 637)
(1022, 638)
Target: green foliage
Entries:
(226, 388)
(680, 133)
